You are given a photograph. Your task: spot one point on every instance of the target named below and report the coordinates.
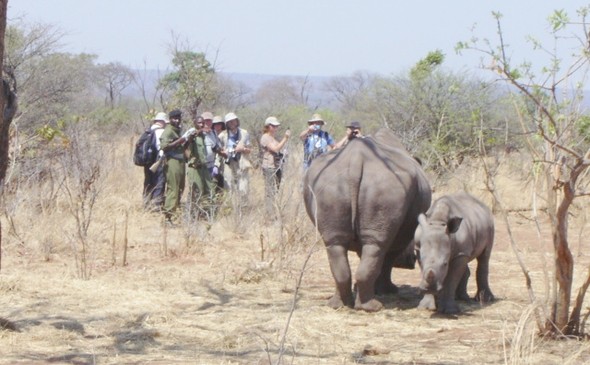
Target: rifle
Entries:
(154, 167)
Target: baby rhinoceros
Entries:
(455, 230)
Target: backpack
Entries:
(146, 153)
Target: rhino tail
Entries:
(355, 173)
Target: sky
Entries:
(288, 37)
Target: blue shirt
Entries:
(316, 143)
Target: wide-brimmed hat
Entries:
(161, 117)
(229, 117)
(354, 125)
(272, 121)
(207, 116)
(316, 118)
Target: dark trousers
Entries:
(272, 182)
(154, 187)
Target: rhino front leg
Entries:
(461, 293)
(368, 270)
(384, 285)
(446, 301)
(340, 267)
(427, 302)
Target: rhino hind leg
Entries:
(485, 296)
(484, 293)
(338, 258)
(337, 302)
(366, 276)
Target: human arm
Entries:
(170, 139)
(244, 145)
(351, 133)
(303, 135)
(275, 146)
(341, 143)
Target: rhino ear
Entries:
(453, 224)
(422, 220)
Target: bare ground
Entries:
(215, 297)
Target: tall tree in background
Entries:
(191, 82)
(115, 77)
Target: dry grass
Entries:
(211, 296)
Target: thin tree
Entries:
(549, 99)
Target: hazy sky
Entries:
(296, 37)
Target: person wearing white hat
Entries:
(154, 183)
(218, 127)
(236, 141)
(315, 140)
(272, 160)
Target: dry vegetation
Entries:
(223, 294)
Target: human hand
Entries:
(288, 133)
(189, 133)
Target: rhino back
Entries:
(476, 231)
(366, 191)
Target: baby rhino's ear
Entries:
(453, 224)
(422, 220)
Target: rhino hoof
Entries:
(372, 305)
(463, 297)
(427, 302)
(485, 296)
(336, 302)
(449, 308)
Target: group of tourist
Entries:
(212, 156)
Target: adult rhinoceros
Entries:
(366, 198)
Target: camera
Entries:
(354, 134)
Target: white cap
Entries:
(272, 121)
(161, 116)
(207, 116)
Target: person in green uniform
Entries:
(173, 145)
(201, 184)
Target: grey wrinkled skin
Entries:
(457, 228)
(366, 198)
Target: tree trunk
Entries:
(4, 122)
(564, 265)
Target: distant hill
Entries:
(319, 96)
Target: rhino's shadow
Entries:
(407, 297)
